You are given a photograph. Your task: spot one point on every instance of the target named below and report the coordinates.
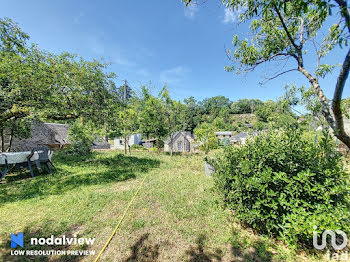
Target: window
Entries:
(120, 142)
(179, 145)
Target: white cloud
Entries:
(190, 11)
(231, 16)
(173, 75)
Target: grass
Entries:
(175, 217)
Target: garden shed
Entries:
(180, 142)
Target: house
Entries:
(224, 134)
(149, 143)
(240, 138)
(50, 134)
(132, 139)
(180, 142)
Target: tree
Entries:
(125, 92)
(192, 114)
(285, 30)
(35, 84)
(214, 105)
(20, 80)
(267, 110)
(244, 106)
(12, 38)
(173, 115)
(127, 120)
(206, 136)
(152, 116)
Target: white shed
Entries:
(133, 139)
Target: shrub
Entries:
(225, 142)
(283, 183)
(206, 136)
(138, 147)
(82, 137)
(153, 149)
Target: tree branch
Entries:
(297, 48)
(279, 74)
(285, 28)
(344, 11)
(61, 117)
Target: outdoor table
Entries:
(17, 159)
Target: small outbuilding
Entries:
(149, 143)
(132, 139)
(224, 134)
(180, 142)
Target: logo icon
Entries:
(16, 240)
(333, 239)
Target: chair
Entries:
(44, 153)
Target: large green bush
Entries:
(283, 183)
(82, 136)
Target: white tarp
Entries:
(17, 157)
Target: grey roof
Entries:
(240, 135)
(187, 134)
(149, 140)
(224, 133)
(60, 132)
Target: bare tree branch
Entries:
(275, 76)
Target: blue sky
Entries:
(153, 40)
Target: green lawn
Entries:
(175, 216)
